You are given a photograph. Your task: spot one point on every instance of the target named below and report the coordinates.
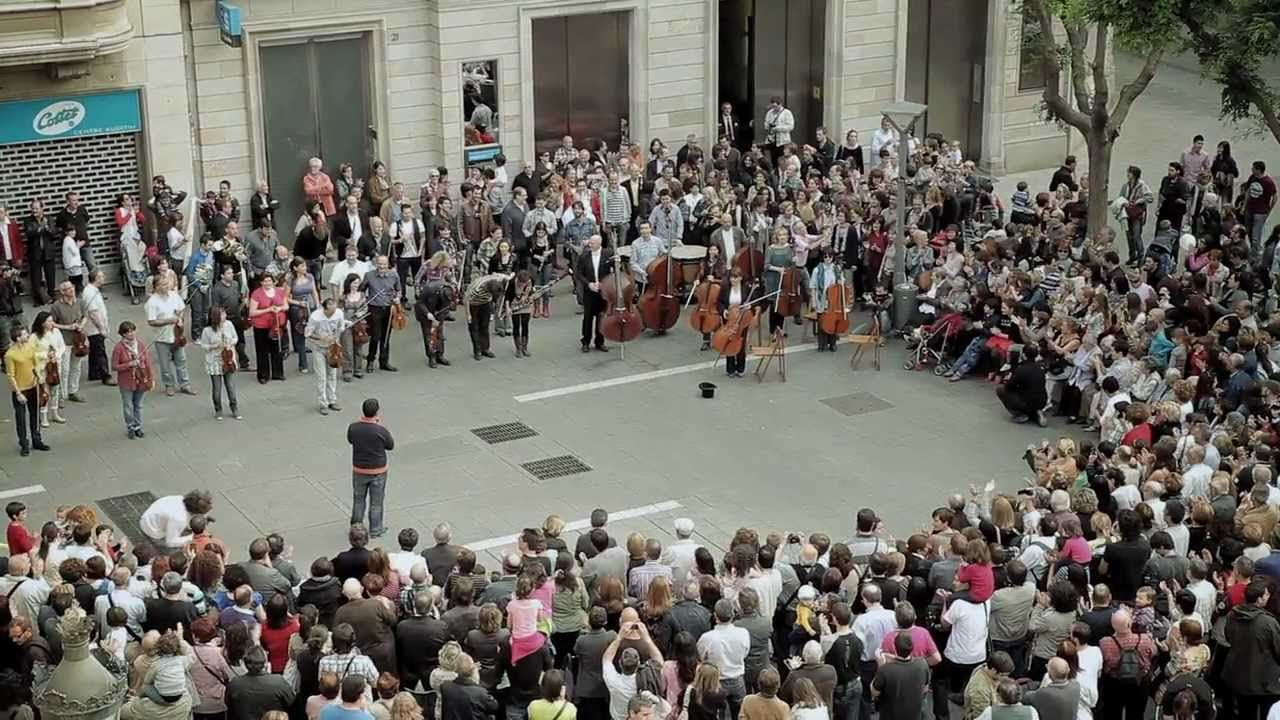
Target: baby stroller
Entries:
(930, 344)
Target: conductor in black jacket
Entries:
(1024, 395)
(592, 266)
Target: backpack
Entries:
(1129, 669)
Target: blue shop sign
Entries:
(71, 116)
(229, 23)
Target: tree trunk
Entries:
(1100, 147)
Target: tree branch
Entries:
(1078, 42)
(1053, 98)
(1266, 108)
(1208, 43)
(1130, 92)
(1101, 88)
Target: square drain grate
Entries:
(125, 511)
(859, 403)
(505, 432)
(554, 467)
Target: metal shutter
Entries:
(99, 167)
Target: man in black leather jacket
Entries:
(42, 249)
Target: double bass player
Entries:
(592, 266)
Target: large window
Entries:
(1030, 67)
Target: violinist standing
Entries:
(737, 293)
(164, 311)
(593, 265)
(504, 262)
(778, 257)
(520, 308)
(825, 275)
(431, 308)
(382, 285)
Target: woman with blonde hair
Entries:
(703, 697)
(450, 663)
(552, 527)
(806, 703)
(404, 706)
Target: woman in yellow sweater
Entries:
(20, 368)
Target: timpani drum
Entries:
(689, 259)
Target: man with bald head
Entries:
(26, 594)
(1127, 693)
(813, 669)
(264, 578)
(593, 265)
(1058, 696)
(499, 591)
(119, 596)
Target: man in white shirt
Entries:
(778, 124)
(726, 646)
(622, 684)
(729, 238)
(164, 311)
(403, 560)
(324, 328)
(166, 520)
(135, 609)
(96, 327)
(593, 266)
(1174, 513)
(25, 595)
(351, 265)
(1196, 476)
(679, 555)
(873, 625)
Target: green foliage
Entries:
(1232, 39)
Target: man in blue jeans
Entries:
(370, 442)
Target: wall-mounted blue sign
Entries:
(478, 154)
(70, 116)
(229, 23)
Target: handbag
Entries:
(684, 704)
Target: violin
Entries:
(790, 293)
(732, 335)
(621, 322)
(360, 333)
(334, 355)
(229, 365)
(659, 306)
(79, 343)
(399, 320)
(835, 319)
(706, 317)
(179, 337)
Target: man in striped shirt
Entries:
(641, 577)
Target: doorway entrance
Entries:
(581, 82)
(946, 52)
(787, 63)
(315, 103)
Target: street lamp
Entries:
(901, 115)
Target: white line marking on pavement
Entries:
(641, 377)
(581, 524)
(18, 492)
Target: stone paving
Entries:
(801, 455)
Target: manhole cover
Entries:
(859, 403)
(505, 432)
(555, 467)
(125, 511)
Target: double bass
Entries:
(835, 319)
(659, 306)
(750, 261)
(621, 322)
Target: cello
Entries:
(706, 316)
(621, 322)
(731, 336)
(790, 293)
(750, 261)
(835, 319)
(659, 306)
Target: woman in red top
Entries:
(1139, 414)
(267, 307)
(277, 630)
(136, 374)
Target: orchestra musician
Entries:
(267, 307)
(479, 300)
(132, 363)
(382, 284)
(431, 307)
(354, 338)
(777, 258)
(645, 249)
(593, 265)
(323, 333)
(164, 311)
(824, 276)
(218, 336)
(504, 263)
(520, 307)
(736, 293)
(714, 270)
